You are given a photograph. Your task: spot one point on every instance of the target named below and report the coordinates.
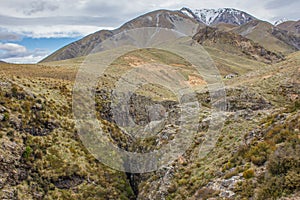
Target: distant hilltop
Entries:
(284, 38)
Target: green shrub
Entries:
(259, 154)
(245, 188)
(183, 182)
(206, 193)
(14, 91)
(227, 166)
(27, 153)
(172, 188)
(26, 106)
(6, 117)
(292, 180)
(272, 188)
(231, 174)
(283, 172)
(295, 106)
(284, 159)
(248, 173)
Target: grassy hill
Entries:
(256, 155)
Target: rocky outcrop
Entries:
(68, 182)
(235, 43)
(289, 38)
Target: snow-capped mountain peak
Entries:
(215, 16)
(280, 21)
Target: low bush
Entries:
(248, 174)
(27, 153)
(259, 154)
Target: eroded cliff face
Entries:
(234, 43)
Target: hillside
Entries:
(281, 39)
(209, 112)
(161, 18)
(43, 158)
(235, 44)
(265, 34)
(290, 26)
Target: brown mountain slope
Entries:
(235, 44)
(290, 26)
(263, 33)
(160, 18)
(225, 27)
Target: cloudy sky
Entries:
(32, 29)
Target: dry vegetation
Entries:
(256, 156)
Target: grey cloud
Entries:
(12, 50)
(6, 36)
(103, 8)
(103, 13)
(39, 6)
(60, 20)
(275, 4)
(8, 50)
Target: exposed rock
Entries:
(230, 76)
(288, 38)
(44, 130)
(224, 186)
(290, 26)
(1, 117)
(37, 107)
(217, 16)
(242, 99)
(15, 122)
(12, 170)
(212, 36)
(2, 109)
(68, 182)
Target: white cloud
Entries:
(57, 31)
(69, 18)
(24, 59)
(54, 18)
(39, 6)
(55, 26)
(11, 52)
(11, 49)
(9, 36)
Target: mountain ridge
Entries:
(159, 18)
(221, 15)
(284, 36)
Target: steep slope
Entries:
(79, 48)
(290, 26)
(281, 40)
(235, 44)
(287, 37)
(160, 18)
(257, 154)
(224, 26)
(264, 33)
(255, 157)
(222, 15)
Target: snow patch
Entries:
(211, 16)
(280, 21)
